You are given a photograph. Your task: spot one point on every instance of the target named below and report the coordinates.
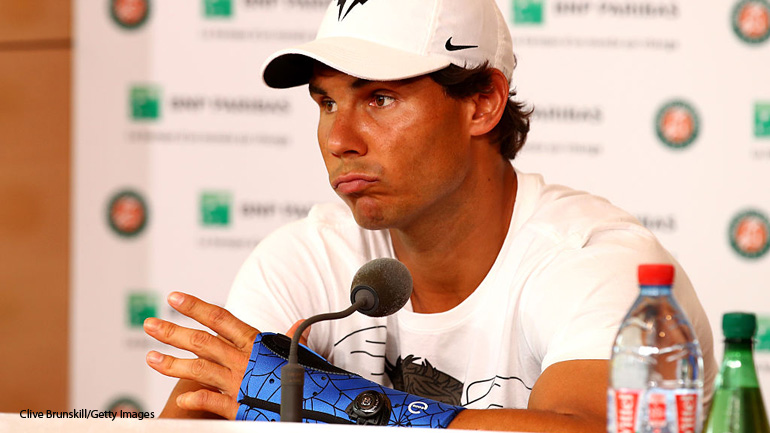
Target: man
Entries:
(519, 286)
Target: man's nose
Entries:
(345, 139)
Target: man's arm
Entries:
(208, 386)
(570, 396)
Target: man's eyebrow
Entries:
(360, 82)
(357, 84)
(315, 90)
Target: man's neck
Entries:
(450, 255)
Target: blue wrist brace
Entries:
(331, 395)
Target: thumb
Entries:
(305, 334)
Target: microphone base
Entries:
(292, 389)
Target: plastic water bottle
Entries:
(737, 405)
(656, 370)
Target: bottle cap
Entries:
(739, 325)
(658, 274)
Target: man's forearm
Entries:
(527, 420)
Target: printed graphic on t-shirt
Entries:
(492, 391)
(417, 375)
(424, 380)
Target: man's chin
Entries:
(369, 222)
(368, 213)
(370, 218)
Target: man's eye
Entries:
(383, 101)
(329, 106)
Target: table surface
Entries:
(13, 422)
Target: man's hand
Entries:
(221, 362)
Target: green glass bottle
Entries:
(737, 406)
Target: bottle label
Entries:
(687, 411)
(655, 410)
(624, 405)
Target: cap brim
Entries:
(359, 58)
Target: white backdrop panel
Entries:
(173, 112)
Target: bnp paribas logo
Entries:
(677, 124)
(127, 213)
(762, 119)
(528, 11)
(141, 305)
(751, 20)
(217, 8)
(215, 208)
(145, 102)
(750, 234)
(130, 14)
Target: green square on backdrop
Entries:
(528, 11)
(141, 305)
(145, 102)
(215, 208)
(762, 119)
(218, 8)
(763, 334)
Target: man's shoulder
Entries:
(333, 217)
(331, 222)
(327, 227)
(564, 212)
(330, 215)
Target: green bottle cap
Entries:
(739, 325)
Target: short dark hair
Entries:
(511, 132)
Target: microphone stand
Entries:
(293, 374)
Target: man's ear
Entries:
(489, 107)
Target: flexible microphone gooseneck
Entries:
(380, 288)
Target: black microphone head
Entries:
(385, 284)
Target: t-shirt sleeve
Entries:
(579, 298)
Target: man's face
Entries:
(395, 151)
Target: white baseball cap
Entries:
(385, 40)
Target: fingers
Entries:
(196, 341)
(305, 334)
(209, 401)
(216, 318)
(221, 360)
(205, 372)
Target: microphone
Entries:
(380, 288)
(385, 285)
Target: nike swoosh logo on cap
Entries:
(451, 47)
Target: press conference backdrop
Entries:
(184, 160)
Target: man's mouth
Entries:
(352, 183)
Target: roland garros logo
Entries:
(127, 213)
(130, 14)
(677, 124)
(750, 234)
(751, 20)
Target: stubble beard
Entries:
(369, 216)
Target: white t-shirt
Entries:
(558, 290)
